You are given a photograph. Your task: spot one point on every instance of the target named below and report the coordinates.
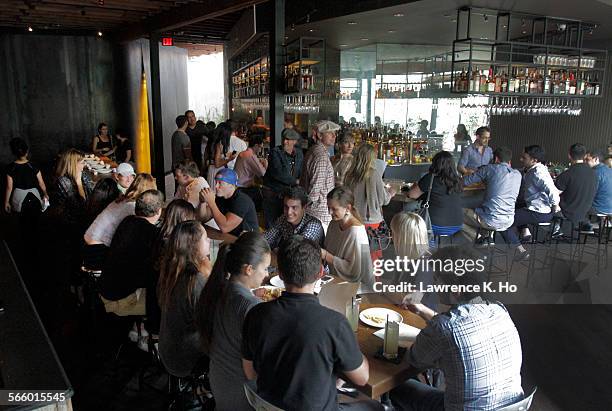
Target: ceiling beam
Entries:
(188, 14)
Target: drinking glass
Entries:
(352, 313)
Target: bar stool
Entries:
(494, 251)
(438, 238)
(535, 228)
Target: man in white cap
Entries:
(124, 175)
(318, 173)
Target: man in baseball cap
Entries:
(232, 210)
(124, 175)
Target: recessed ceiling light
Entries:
(99, 34)
(390, 31)
(446, 15)
(453, 20)
(398, 15)
(30, 28)
(311, 30)
(343, 45)
(524, 31)
(364, 39)
(352, 23)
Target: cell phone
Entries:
(326, 279)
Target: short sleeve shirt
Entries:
(241, 205)
(23, 175)
(444, 207)
(297, 361)
(180, 141)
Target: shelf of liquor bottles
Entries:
(397, 146)
(527, 69)
(304, 68)
(251, 80)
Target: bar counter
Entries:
(28, 361)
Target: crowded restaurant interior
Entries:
(305, 205)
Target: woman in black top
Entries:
(102, 144)
(123, 152)
(445, 208)
(22, 178)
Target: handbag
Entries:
(379, 237)
(423, 212)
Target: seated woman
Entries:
(342, 162)
(347, 250)
(102, 143)
(223, 305)
(177, 211)
(105, 192)
(103, 228)
(369, 190)
(445, 208)
(410, 242)
(184, 272)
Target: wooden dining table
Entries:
(384, 375)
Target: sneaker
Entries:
(133, 334)
(521, 256)
(485, 241)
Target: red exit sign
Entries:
(167, 41)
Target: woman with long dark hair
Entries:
(216, 155)
(105, 192)
(223, 305)
(445, 208)
(184, 271)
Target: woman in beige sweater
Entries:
(347, 250)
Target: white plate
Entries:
(277, 282)
(379, 313)
(104, 170)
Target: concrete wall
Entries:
(54, 91)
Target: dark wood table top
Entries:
(384, 375)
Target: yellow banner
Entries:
(143, 138)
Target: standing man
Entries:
(477, 154)
(283, 172)
(235, 144)
(318, 173)
(196, 130)
(423, 131)
(181, 146)
(578, 185)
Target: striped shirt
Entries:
(318, 180)
(478, 348)
(309, 228)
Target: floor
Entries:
(567, 348)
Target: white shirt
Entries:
(238, 145)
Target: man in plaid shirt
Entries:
(295, 221)
(318, 172)
(475, 344)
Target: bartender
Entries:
(423, 131)
(478, 154)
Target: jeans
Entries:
(416, 396)
(524, 217)
(272, 206)
(362, 405)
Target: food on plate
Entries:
(376, 319)
(268, 293)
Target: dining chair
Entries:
(521, 405)
(255, 401)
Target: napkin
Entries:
(407, 334)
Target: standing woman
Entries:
(342, 162)
(184, 271)
(367, 185)
(217, 156)
(223, 305)
(462, 138)
(22, 178)
(102, 144)
(347, 250)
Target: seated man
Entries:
(295, 221)
(124, 175)
(233, 211)
(190, 184)
(602, 203)
(475, 344)
(503, 185)
(578, 185)
(317, 343)
(129, 264)
(539, 193)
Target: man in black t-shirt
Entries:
(294, 346)
(232, 210)
(578, 186)
(196, 131)
(129, 264)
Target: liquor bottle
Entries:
(497, 82)
(567, 83)
(547, 83)
(517, 81)
(556, 84)
(511, 79)
(572, 84)
(596, 88)
(504, 83)
(483, 82)
(491, 82)
(580, 85)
